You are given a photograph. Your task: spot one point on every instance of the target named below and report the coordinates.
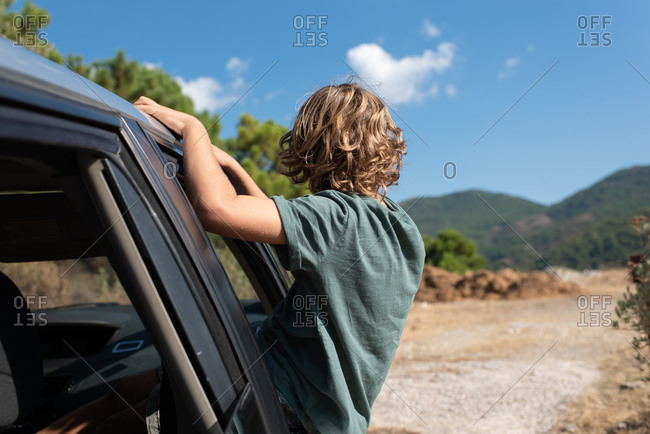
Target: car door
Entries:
(193, 288)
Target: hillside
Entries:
(623, 191)
(589, 229)
(467, 213)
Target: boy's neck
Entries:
(380, 199)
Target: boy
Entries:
(356, 256)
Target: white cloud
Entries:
(206, 92)
(238, 83)
(451, 90)
(149, 65)
(510, 64)
(400, 80)
(270, 95)
(236, 65)
(531, 48)
(429, 29)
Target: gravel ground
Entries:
(479, 366)
(454, 397)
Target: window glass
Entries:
(240, 282)
(53, 284)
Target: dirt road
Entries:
(513, 366)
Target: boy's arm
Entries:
(239, 178)
(220, 207)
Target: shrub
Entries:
(634, 308)
(453, 252)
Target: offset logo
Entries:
(309, 30)
(28, 33)
(593, 310)
(309, 310)
(449, 170)
(31, 302)
(594, 30)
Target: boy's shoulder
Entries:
(348, 198)
(348, 204)
(333, 200)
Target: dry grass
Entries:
(64, 283)
(618, 402)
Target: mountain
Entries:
(590, 229)
(467, 213)
(608, 197)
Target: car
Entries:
(106, 270)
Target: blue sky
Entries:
(448, 71)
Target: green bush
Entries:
(453, 252)
(634, 308)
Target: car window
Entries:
(85, 324)
(238, 279)
(56, 284)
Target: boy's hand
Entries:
(237, 211)
(172, 119)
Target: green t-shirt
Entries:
(330, 342)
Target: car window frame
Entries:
(136, 269)
(213, 278)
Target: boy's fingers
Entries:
(144, 100)
(148, 105)
(146, 108)
(173, 119)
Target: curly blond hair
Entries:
(344, 139)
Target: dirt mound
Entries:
(440, 285)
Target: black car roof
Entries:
(28, 78)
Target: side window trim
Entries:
(214, 278)
(264, 275)
(147, 301)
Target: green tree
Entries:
(125, 78)
(256, 148)
(27, 28)
(130, 80)
(453, 252)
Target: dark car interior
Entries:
(41, 345)
(58, 358)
